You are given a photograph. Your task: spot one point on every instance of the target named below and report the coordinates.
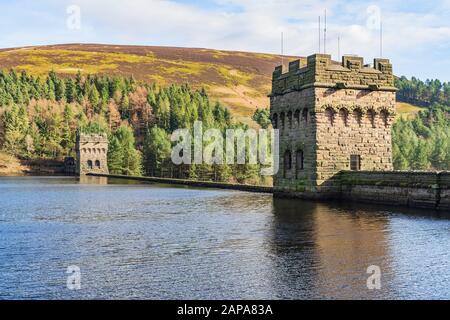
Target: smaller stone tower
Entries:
(92, 153)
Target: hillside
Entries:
(40, 118)
(240, 80)
(407, 110)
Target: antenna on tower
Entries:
(282, 50)
(320, 31)
(381, 38)
(339, 46)
(325, 34)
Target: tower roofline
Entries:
(92, 137)
(321, 71)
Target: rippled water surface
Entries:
(164, 242)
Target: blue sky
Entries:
(416, 33)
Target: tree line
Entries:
(39, 118)
(423, 93)
(423, 143)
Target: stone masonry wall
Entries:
(414, 189)
(444, 186)
(353, 122)
(296, 124)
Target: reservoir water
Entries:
(149, 241)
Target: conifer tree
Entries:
(115, 156)
(157, 149)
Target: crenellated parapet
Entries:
(320, 71)
(92, 138)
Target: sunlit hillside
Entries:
(240, 80)
(407, 110)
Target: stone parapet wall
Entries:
(444, 186)
(184, 182)
(413, 189)
(44, 167)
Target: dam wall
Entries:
(412, 189)
(430, 190)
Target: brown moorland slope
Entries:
(240, 80)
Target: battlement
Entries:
(92, 138)
(321, 71)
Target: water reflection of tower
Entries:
(294, 254)
(93, 180)
(324, 252)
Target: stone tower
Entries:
(92, 153)
(332, 117)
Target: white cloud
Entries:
(255, 25)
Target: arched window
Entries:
(330, 114)
(89, 150)
(371, 116)
(305, 115)
(282, 121)
(385, 117)
(289, 119)
(358, 116)
(299, 162)
(343, 113)
(297, 118)
(89, 164)
(287, 162)
(275, 121)
(97, 164)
